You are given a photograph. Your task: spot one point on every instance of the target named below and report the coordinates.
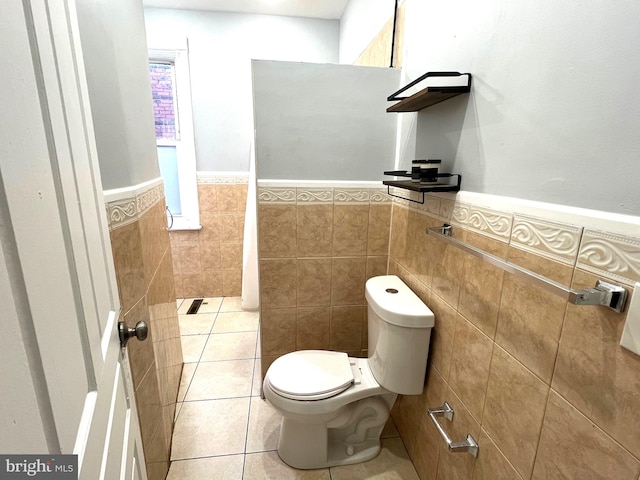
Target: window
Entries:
(171, 90)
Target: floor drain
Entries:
(195, 305)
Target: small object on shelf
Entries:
(428, 170)
(429, 95)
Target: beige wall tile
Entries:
(447, 274)
(346, 328)
(212, 285)
(455, 465)
(230, 255)
(189, 258)
(210, 255)
(207, 198)
(127, 259)
(278, 331)
(595, 373)
(350, 229)
(227, 198)
(399, 229)
(278, 285)
(141, 354)
(442, 336)
(376, 266)
(347, 280)
(192, 285)
(277, 231)
(313, 328)
(232, 282)
(378, 233)
(573, 447)
(491, 464)
(482, 285)
(230, 228)
(529, 325)
(546, 267)
(314, 282)
(149, 408)
(426, 448)
(514, 410)
(314, 230)
(470, 362)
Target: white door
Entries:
(56, 270)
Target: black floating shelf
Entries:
(429, 95)
(420, 187)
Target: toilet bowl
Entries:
(334, 407)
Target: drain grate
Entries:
(195, 305)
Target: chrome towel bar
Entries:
(466, 446)
(604, 293)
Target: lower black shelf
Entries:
(420, 187)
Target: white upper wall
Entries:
(115, 59)
(221, 47)
(361, 21)
(554, 112)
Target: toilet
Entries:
(334, 407)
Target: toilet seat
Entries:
(310, 374)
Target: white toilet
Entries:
(334, 407)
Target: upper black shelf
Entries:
(429, 95)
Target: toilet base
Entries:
(353, 437)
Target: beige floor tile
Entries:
(225, 379)
(231, 304)
(256, 388)
(199, 324)
(392, 463)
(210, 428)
(230, 346)
(179, 302)
(264, 426)
(210, 305)
(236, 322)
(228, 467)
(267, 465)
(192, 347)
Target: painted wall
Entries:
(553, 114)
(361, 21)
(115, 57)
(221, 46)
(323, 122)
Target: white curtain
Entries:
(250, 280)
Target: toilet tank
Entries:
(399, 331)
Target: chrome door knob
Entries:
(125, 333)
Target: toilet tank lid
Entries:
(393, 301)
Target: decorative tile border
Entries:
(549, 239)
(308, 195)
(276, 195)
(222, 177)
(491, 223)
(313, 195)
(350, 195)
(126, 205)
(612, 255)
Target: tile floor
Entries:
(224, 430)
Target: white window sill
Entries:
(183, 224)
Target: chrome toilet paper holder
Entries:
(465, 446)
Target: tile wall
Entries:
(542, 385)
(144, 273)
(208, 262)
(317, 247)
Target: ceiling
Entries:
(329, 9)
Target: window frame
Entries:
(189, 219)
